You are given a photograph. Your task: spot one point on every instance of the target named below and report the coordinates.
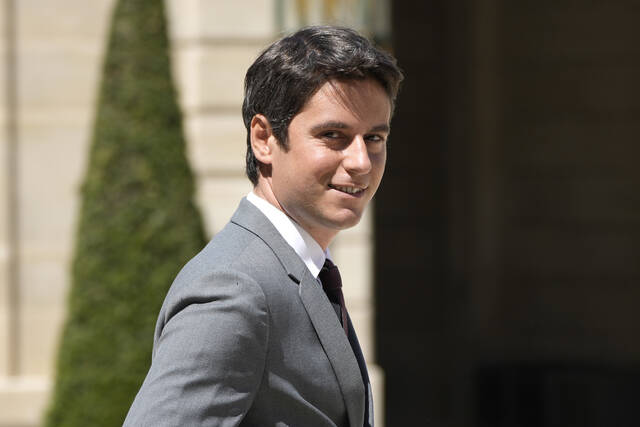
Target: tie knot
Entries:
(330, 276)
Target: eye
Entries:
(331, 134)
(375, 138)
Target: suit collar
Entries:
(297, 237)
(249, 217)
(335, 343)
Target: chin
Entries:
(347, 221)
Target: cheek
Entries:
(322, 165)
(378, 162)
(304, 174)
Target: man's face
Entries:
(335, 157)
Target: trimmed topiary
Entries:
(137, 226)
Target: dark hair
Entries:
(292, 69)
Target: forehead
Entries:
(361, 99)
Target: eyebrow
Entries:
(340, 125)
(381, 128)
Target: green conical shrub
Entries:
(137, 226)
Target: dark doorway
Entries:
(508, 223)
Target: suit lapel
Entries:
(336, 346)
(322, 315)
(355, 345)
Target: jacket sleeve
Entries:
(209, 354)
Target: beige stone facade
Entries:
(50, 58)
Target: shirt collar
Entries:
(297, 237)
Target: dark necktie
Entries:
(332, 285)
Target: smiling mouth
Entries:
(348, 190)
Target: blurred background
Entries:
(494, 282)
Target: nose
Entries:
(356, 157)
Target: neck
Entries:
(264, 190)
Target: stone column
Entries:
(59, 47)
(214, 42)
(5, 188)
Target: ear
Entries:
(263, 140)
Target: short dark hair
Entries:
(292, 69)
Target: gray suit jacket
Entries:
(247, 337)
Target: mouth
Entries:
(348, 189)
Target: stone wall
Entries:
(57, 53)
(46, 129)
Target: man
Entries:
(247, 336)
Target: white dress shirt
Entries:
(298, 238)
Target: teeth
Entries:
(349, 190)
